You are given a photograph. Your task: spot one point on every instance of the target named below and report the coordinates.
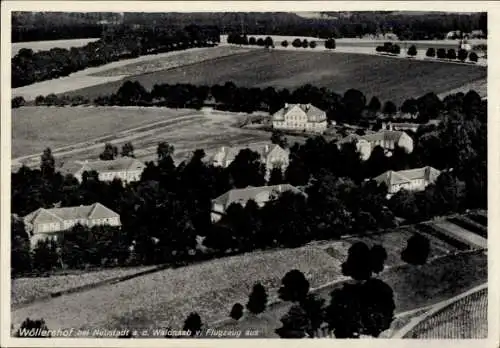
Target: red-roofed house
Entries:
(412, 179)
(300, 117)
(50, 223)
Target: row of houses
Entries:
(271, 155)
(51, 223)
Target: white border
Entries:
(491, 7)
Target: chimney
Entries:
(308, 106)
(266, 148)
(286, 105)
(223, 148)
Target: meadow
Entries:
(25, 290)
(387, 78)
(35, 128)
(165, 298)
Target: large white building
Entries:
(271, 155)
(411, 180)
(387, 139)
(300, 117)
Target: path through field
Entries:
(185, 129)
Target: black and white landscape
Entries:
(249, 175)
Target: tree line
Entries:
(351, 107)
(268, 42)
(166, 215)
(441, 53)
(355, 24)
(451, 54)
(115, 44)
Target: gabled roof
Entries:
(384, 135)
(405, 176)
(259, 194)
(229, 153)
(313, 113)
(94, 211)
(116, 165)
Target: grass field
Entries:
(388, 78)
(35, 128)
(47, 45)
(211, 288)
(27, 289)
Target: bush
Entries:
(462, 55)
(294, 287)
(260, 42)
(330, 44)
(297, 43)
(412, 51)
(268, 42)
(252, 41)
(17, 102)
(36, 325)
(361, 309)
(396, 49)
(451, 54)
(417, 250)
(473, 57)
(312, 44)
(431, 52)
(305, 43)
(236, 311)
(390, 108)
(284, 43)
(441, 53)
(257, 301)
(362, 261)
(379, 49)
(193, 323)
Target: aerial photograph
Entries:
(223, 175)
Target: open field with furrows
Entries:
(49, 44)
(35, 128)
(388, 78)
(28, 289)
(210, 288)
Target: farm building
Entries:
(300, 117)
(126, 169)
(412, 179)
(49, 223)
(387, 139)
(261, 195)
(271, 155)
